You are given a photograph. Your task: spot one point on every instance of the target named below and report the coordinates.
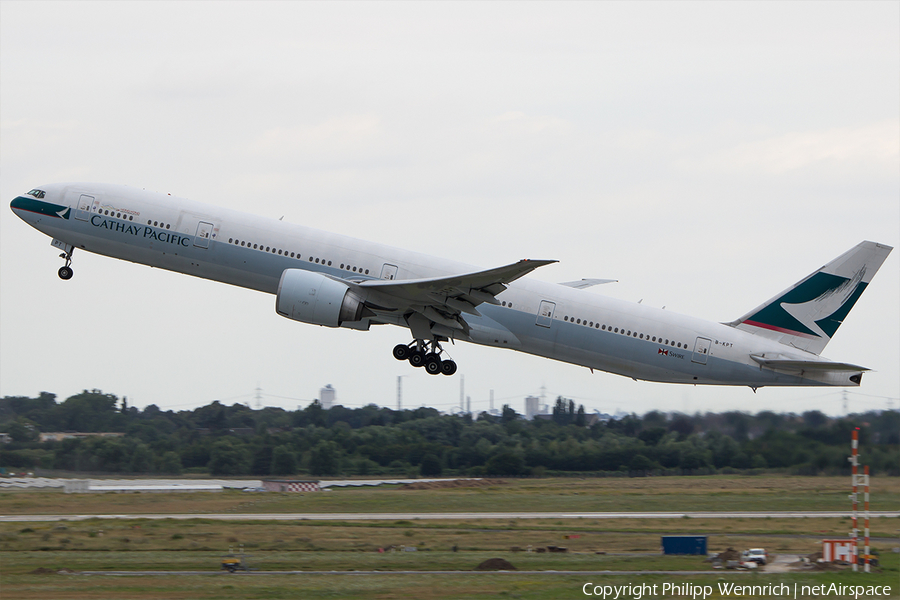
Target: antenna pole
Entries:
(854, 535)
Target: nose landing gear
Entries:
(425, 354)
(65, 272)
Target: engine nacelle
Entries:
(314, 298)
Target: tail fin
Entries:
(807, 314)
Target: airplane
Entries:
(333, 280)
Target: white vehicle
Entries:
(337, 281)
(756, 555)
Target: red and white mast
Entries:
(854, 535)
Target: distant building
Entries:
(533, 407)
(66, 435)
(326, 396)
(5, 438)
(242, 430)
(291, 485)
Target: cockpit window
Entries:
(36, 193)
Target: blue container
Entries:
(684, 544)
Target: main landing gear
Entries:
(427, 355)
(65, 272)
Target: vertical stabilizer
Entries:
(807, 314)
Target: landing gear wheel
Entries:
(448, 367)
(416, 358)
(401, 352)
(65, 273)
(433, 364)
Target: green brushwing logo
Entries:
(815, 308)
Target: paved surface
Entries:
(58, 482)
(782, 563)
(251, 573)
(467, 516)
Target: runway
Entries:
(462, 516)
(252, 573)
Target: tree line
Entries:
(237, 440)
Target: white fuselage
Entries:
(572, 325)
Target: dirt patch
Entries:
(451, 483)
(495, 564)
(730, 554)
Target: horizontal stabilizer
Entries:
(793, 364)
(586, 283)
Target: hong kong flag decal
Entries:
(661, 351)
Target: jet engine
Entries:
(314, 298)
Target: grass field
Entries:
(32, 554)
(18, 581)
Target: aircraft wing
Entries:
(441, 300)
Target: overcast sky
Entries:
(706, 155)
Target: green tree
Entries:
(505, 462)
(580, 419)
(22, 433)
(284, 462)
(430, 466)
(170, 463)
(228, 458)
(141, 459)
(323, 459)
(640, 464)
(315, 414)
(508, 415)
